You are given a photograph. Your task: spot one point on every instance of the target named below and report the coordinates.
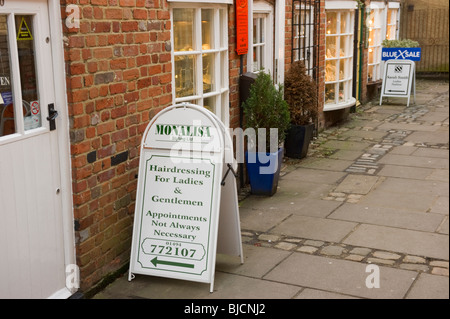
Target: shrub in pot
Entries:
(404, 43)
(300, 92)
(266, 109)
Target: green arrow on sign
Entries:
(155, 262)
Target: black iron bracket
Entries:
(230, 168)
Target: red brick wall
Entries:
(118, 67)
(288, 36)
(118, 73)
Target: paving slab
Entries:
(444, 227)
(434, 117)
(313, 175)
(407, 127)
(431, 152)
(401, 185)
(261, 220)
(357, 184)
(365, 134)
(346, 155)
(407, 201)
(341, 276)
(429, 287)
(258, 261)
(309, 293)
(314, 228)
(283, 207)
(427, 137)
(400, 240)
(294, 188)
(403, 150)
(226, 286)
(294, 205)
(440, 205)
(386, 216)
(405, 171)
(403, 160)
(439, 175)
(327, 164)
(346, 145)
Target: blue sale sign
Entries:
(412, 54)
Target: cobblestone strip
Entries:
(409, 115)
(348, 252)
(368, 162)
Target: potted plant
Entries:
(405, 49)
(266, 109)
(300, 93)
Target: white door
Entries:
(32, 256)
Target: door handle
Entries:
(52, 115)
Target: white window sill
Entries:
(339, 106)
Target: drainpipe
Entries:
(361, 47)
(241, 120)
(355, 61)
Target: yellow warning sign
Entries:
(24, 32)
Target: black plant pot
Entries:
(297, 140)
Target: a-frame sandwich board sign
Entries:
(399, 78)
(229, 234)
(178, 196)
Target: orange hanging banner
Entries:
(241, 26)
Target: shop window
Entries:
(375, 39)
(392, 24)
(260, 57)
(339, 59)
(200, 53)
(304, 39)
(259, 42)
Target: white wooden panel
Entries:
(32, 247)
(32, 228)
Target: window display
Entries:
(392, 24)
(200, 61)
(375, 39)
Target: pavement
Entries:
(364, 215)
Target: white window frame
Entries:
(378, 26)
(220, 93)
(347, 80)
(262, 10)
(393, 23)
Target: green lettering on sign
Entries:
(156, 262)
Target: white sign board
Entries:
(399, 76)
(179, 196)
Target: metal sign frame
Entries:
(399, 79)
